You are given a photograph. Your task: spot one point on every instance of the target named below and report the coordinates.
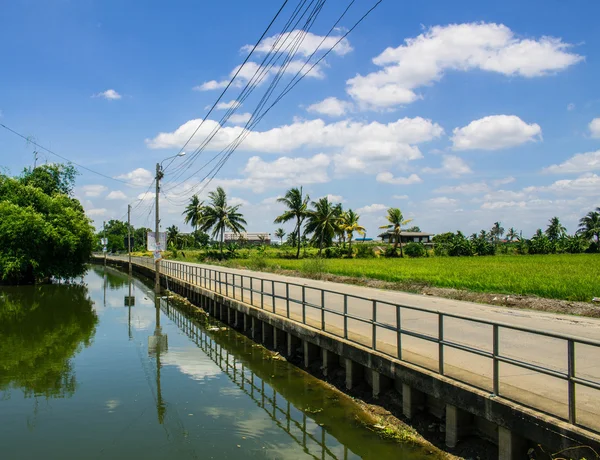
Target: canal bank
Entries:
(103, 369)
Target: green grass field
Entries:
(560, 276)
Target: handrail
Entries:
(212, 279)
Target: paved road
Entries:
(519, 384)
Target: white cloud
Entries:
(309, 43)
(388, 178)
(423, 60)
(331, 106)
(287, 171)
(372, 208)
(595, 128)
(93, 190)
(571, 107)
(585, 185)
(472, 188)
(210, 85)
(400, 197)
(452, 166)
(139, 176)
(579, 163)
(495, 132)
(239, 118)
(116, 195)
(96, 212)
(335, 198)
(225, 105)
(503, 181)
(441, 201)
(109, 94)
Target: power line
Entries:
(65, 158)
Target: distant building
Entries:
(407, 237)
(247, 238)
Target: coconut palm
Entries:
(349, 224)
(555, 230)
(280, 233)
(297, 205)
(322, 221)
(512, 234)
(219, 216)
(193, 212)
(340, 232)
(396, 221)
(173, 236)
(589, 225)
(497, 231)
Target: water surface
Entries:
(82, 375)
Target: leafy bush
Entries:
(333, 252)
(315, 267)
(575, 244)
(364, 251)
(391, 252)
(483, 247)
(414, 250)
(257, 261)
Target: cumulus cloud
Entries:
(452, 166)
(287, 171)
(441, 201)
(335, 198)
(310, 42)
(93, 190)
(225, 105)
(116, 195)
(472, 188)
(400, 197)
(372, 208)
(109, 94)
(423, 60)
(240, 118)
(585, 185)
(579, 163)
(594, 127)
(503, 181)
(495, 132)
(96, 212)
(139, 176)
(388, 178)
(331, 106)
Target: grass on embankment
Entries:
(559, 276)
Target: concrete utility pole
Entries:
(129, 235)
(104, 238)
(159, 175)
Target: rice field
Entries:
(558, 276)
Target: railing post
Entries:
(227, 284)
(496, 353)
(322, 310)
(262, 294)
(287, 299)
(571, 383)
(441, 342)
(252, 290)
(374, 335)
(398, 332)
(273, 294)
(220, 284)
(303, 304)
(346, 316)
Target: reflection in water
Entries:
(42, 328)
(158, 344)
(114, 279)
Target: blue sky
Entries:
(460, 114)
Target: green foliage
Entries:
(576, 244)
(323, 222)
(396, 222)
(541, 244)
(333, 252)
(364, 251)
(41, 235)
(297, 209)
(219, 216)
(315, 267)
(51, 179)
(415, 250)
(201, 239)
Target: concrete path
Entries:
(532, 388)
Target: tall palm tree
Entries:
(173, 236)
(555, 230)
(219, 216)
(589, 225)
(339, 212)
(396, 221)
(323, 221)
(193, 212)
(512, 234)
(349, 224)
(280, 233)
(297, 208)
(497, 231)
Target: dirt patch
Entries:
(565, 307)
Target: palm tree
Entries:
(297, 209)
(193, 212)
(555, 230)
(396, 221)
(340, 232)
(589, 225)
(484, 235)
(497, 231)
(349, 224)
(280, 233)
(322, 221)
(512, 234)
(218, 216)
(173, 236)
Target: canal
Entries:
(103, 369)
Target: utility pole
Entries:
(35, 157)
(156, 228)
(129, 236)
(104, 237)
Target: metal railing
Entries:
(263, 293)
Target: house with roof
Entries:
(407, 237)
(247, 238)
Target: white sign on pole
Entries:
(103, 241)
(151, 242)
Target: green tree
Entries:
(414, 228)
(349, 224)
(193, 212)
(322, 222)
(297, 208)
(51, 179)
(219, 216)
(41, 235)
(512, 234)
(496, 232)
(174, 237)
(396, 222)
(280, 233)
(555, 230)
(140, 236)
(589, 226)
